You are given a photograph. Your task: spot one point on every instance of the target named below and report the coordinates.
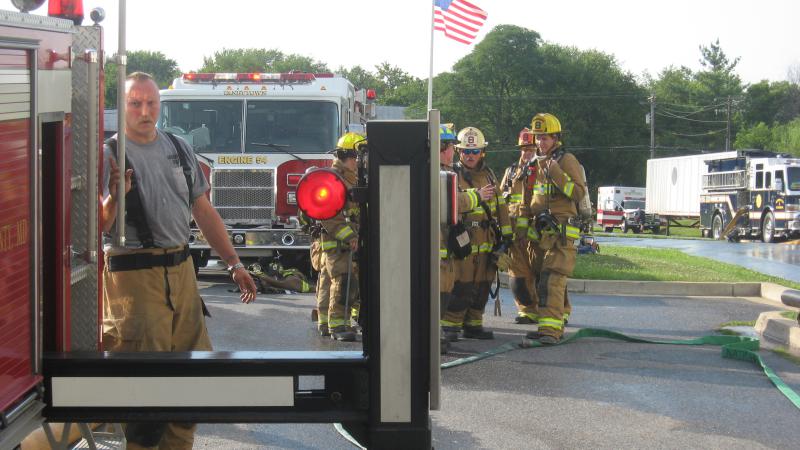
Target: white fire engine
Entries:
(256, 134)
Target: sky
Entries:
(644, 35)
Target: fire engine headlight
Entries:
(287, 239)
(238, 239)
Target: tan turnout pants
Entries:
(154, 310)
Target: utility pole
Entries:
(728, 126)
(652, 125)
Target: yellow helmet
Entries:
(351, 141)
(471, 137)
(545, 123)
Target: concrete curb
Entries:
(778, 329)
(771, 325)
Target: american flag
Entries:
(460, 20)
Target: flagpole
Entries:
(430, 74)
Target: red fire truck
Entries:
(256, 134)
(50, 364)
(50, 105)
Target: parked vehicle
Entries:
(623, 207)
(753, 194)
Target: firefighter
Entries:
(556, 190)
(339, 239)
(467, 201)
(487, 224)
(516, 190)
(278, 278)
(323, 289)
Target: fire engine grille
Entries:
(244, 196)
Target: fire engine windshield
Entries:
(210, 126)
(275, 126)
(793, 178)
(272, 126)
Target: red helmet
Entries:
(526, 137)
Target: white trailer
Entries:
(674, 186)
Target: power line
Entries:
(673, 116)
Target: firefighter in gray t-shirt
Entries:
(150, 297)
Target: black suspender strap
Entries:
(134, 210)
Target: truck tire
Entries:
(636, 230)
(716, 226)
(656, 230)
(768, 228)
(624, 227)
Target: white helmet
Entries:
(471, 137)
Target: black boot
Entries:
(477, 333)
(451, 333)
(341, 333)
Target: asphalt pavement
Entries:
(777, 259)
(593, 393)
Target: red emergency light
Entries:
(289, 77)
(66, 9)
(321, 194)
(371, 95)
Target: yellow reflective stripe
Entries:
(304, 287)
(531, 316)
(569, 186)
(522, 222)
(566, 175)
(515, 198)
(506, 229)
(566, 317)
(443, 253)
(479, 211)
(551, 322)
(473, 198)
(447, 323)
(573, 232)
(323, 318)
(353, 211)
(328, 245)
(542, 189)
(473, 323)
(344, 233)
(485, 247)
(474, 249)
(333, 323)
(532, 234)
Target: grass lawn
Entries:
(648, 264)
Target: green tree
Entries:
(771, 102)
(163, 69)
(692, 107)
(511, 75)
(758, 137)
(245, 60)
